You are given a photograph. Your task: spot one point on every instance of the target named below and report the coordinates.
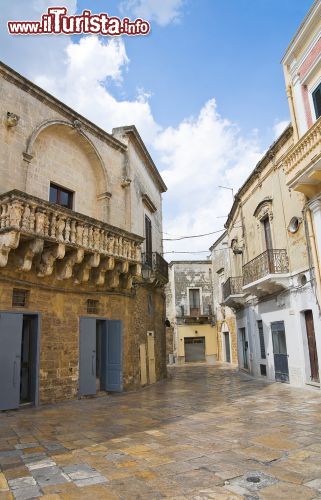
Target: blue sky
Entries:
(205, 89)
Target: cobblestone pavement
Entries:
(206, 433)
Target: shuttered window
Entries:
(317, 101)
(148, 240)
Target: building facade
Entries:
(82, 304)
(225, 317)
(189, 310)
(273, 292)
(302, 163)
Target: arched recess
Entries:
(77, 136)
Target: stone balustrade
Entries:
(304, 150)
(56, 239)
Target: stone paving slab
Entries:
(200, 435)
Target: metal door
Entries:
(112, 361)
(280, 352)
(313, 354)
(227, 347)
(10, 353)
(87, 356)
(194, 349)
(244, 348)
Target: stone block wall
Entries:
(59, 311)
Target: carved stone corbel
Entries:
(113, 278)
(26, 252)
(8, 241)
(65, 268)
(49, 257)
(90, 261)
(126, 281)
(107, 264)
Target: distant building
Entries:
(189, 309)
(224, 284)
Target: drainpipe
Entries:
(312, 253)
(289, 94)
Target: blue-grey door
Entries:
(112, 363)
(281, 367)
(87, 356)
(10, 353)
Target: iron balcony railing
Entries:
(269, 262)
(156, 263)
(232, 286)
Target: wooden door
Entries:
(151, 357)
(313, 354)
(10, 354)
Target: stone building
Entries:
(302, 162)
(189, 299)
(224, 314)
(82, 305)
(270, 283)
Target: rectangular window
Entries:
(20, 297)
(194, 301)
(261, 335)
(148, 240)
(316, 96)
(92, 306)
(60, 196)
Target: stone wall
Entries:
(59, 332)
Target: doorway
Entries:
(244, 346)
(194, 349)
(313, 354)
(100, 356)
(19, 360)
(281, 366)
(227, 347)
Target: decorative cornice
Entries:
(148, 202)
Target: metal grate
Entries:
(20, 297)
(92, 306)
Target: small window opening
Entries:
(92, 306)
(20, 298)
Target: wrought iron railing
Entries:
(156, 263)
(269, 262)
(232, 286)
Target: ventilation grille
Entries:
(92, 306)
(20, 297)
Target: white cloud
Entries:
(87, 69)
(195, 157)
(202, 153)
(31, 54)
(162, 12)
(279, 127)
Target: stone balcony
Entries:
(233, 295)
(53, 240)
(267, 273)
(302, 163)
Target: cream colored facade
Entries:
(193, 324)
(224, 315)
(276, 297)
(302, 163)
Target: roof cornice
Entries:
(132, 132)
(42, 95)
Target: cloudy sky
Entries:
(205, 90)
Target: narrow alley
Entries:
(208, 432)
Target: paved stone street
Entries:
(206, 433)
